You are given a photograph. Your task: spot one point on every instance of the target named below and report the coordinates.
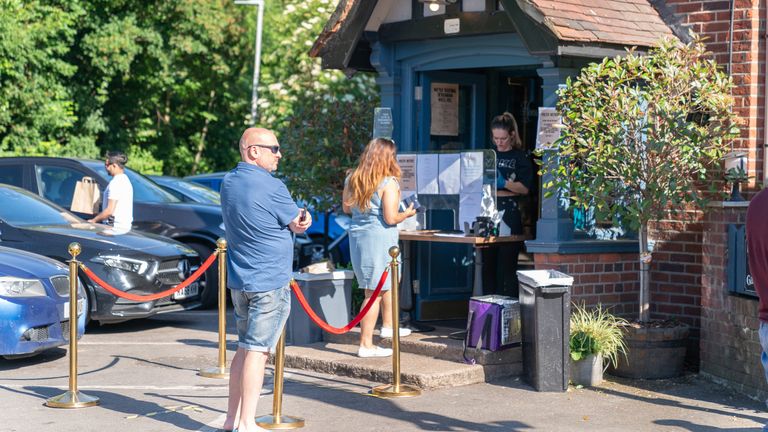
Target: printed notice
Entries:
(548, 130)
(426, 173)
(471, 172)
(469, 208)
(449, 179)
(444, 109)
(382, 123)
(407, 164)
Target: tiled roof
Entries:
(622, 22)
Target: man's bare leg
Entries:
(252, 379)
(235, 376)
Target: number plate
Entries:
(80, 307)
(186, 292)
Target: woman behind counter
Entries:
(372, 196)
(514, 179)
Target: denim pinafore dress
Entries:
(370, 238)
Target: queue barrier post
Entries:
(277, 420)
(220, 371)
(396, 389)
(73, 398)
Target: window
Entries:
(25, 209)
(57, 184)
(144, 190)
(11, 175)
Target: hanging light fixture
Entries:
(434, 5)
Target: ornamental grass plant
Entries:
(596, 331)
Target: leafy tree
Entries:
(323, 118)
(37, 108)
(641, 135)
(170, 83)
(166, 78)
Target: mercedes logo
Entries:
(183, 267)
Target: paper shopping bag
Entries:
(86, 197)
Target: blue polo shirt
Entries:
(257, 209)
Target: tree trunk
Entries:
(203, 134)
(645, 265)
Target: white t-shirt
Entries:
(121, 190)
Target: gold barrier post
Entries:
(277, 420)
(220, 371)
(395, 389)
(72, 398)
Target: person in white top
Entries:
(117, 204)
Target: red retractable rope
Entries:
(144, 298)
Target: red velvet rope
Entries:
(324, 325)
(194, 276)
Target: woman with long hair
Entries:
(514, 180)
(372, 196)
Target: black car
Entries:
(134, 262)
(154, 210)
(187, 191)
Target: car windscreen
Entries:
(144, 190)
(24, 209)
(200, 193)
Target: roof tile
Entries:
(623, 22)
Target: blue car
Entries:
(187, 191)
(34, 304)
(338, 244)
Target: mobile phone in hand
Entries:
(413, 199)
(303, 216)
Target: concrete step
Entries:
(436, 344)
(427, 360)
(419, 370)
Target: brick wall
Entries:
(612, 279)
(725, 320)
(730, 348)
(676, 273)
(608, 278)
(711, 18)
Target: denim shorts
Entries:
(260, 317)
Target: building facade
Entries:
(512, 55)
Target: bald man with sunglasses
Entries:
(259, 216)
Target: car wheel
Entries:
(209, 281)
(88, 303)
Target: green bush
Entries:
(596, 331)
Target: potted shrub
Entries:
(596, 339)
(641, 136)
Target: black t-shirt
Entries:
(516, 166)
(513, 165)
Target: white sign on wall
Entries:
(444, 109)
(548, 129)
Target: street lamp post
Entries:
(257, 59)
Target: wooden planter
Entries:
(587, 371)
(653, 352)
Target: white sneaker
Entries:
(386, 332)
(376, 351)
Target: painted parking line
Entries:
(134, 387)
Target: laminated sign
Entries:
(86, 197)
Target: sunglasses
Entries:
(275, 148)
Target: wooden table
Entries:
(479, 244)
